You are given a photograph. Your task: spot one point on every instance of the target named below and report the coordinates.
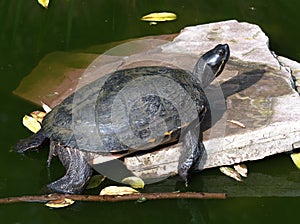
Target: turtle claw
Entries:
(186, 184)
(52, 153)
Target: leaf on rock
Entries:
(241, 169)
(31, 123)
(44, 3)
(134, 182)
(238, 123)
(60, 203)
(159, 17)
(115, 190)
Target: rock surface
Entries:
(263, 107)
(258, 88)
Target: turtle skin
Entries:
(127, 111)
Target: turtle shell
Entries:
(131, 109)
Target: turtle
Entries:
(130, 110)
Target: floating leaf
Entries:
(134, 182)
(228, 171)
(159, 17)
(44, 3)
(38, 115)
(60, 203)
(114, 190)
(241, 169)
(296, 159)
(31, 123)
(95, 181)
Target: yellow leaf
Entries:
(159, 17)
(228, 171)
(296, 159)
(38, 115)
(241, 169)
(60, 203)
(95, 181)
(44, 3)
(114, 190)
(134, 182)
(31, 123)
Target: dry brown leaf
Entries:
(228, 171)
(241, 169)
(238, 123)
(38, 115)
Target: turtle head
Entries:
(211, 64)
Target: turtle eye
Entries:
(221, 52)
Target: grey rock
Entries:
(260, 94)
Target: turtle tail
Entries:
(30, 143)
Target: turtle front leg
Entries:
(78, 171)
(30, 143)
(191, 151)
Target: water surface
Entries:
(28, 32)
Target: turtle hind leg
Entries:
(30, 143)
(191, 151)
(78, 171)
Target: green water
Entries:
(28, 32)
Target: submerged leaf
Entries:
(31, 123)
(134, 182)
(114, 190)
(152, 23)
(95, 181)
(296, 159)
(159, 17)
(141, 200)
(60, 203)
(228, 171)
(44, 3)
(241, 169)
